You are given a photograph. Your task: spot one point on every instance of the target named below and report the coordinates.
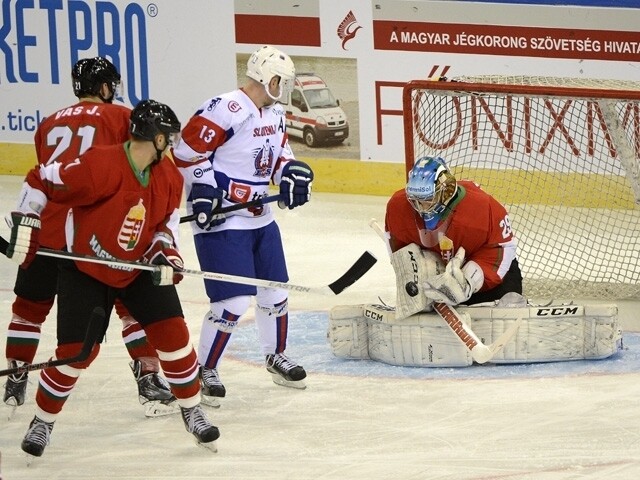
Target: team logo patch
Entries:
(263, 160)
(213, 104)
(234, 106)
(239, 193)
(131, 228)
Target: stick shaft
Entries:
(357, 270)
(259, 202)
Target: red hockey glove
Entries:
(169, 263)
(25, 231)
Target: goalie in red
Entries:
(428, 221)
(445, 216)
(125, 208)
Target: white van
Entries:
(313, 114)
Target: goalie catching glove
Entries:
(295, 184)
(24, 243)
(167, 259)
(204, 199)
(457, 283)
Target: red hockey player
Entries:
(434, 205)
(61, 137)
(124, 200)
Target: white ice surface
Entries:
(356, 420)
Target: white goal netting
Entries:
(561, 154)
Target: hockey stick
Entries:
(258, 202)
(354, 273)
(480, 352)
(96, 325)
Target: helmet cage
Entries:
(430, 188)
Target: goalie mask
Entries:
(268, 62)
(89, 74)
(430, 188)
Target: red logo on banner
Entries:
(348, 28)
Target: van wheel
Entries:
(310, 138)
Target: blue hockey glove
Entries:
(204, 199)
(295, 184)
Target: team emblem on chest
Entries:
(263, 159)
(131, 228)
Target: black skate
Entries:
(37, 437)
(154, 392)
(212, 389)
(285, 372)
(15, 389)
(197, 423)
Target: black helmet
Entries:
(149, 118)
(89, 74)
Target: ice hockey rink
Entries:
(356, 419)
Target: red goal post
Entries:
(562, 154)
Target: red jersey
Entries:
(70, 132)
(116, 210)
(478, 222)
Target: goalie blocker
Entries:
(547, 334)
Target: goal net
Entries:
(561, 154)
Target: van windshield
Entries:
(321, 98)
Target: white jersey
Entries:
(233, 145)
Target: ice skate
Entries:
(285, 372)
(154, 392)
(16, 387)
(212, 389)
(37, 437)
(197, 423)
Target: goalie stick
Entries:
(258, 202)
(353, 274)
(480, 352)
(94, 329)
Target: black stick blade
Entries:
(357, 270)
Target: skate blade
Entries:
(279, 380)
(211, 446)
(210, 401)
(12, 405)
(156, 408)
(29, 459)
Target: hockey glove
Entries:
(204, 199)
(295, 184)
(169, 263)
(457, 283)
(25, 231)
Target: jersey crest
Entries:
(263, 160)
(129, 233)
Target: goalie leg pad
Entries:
(348, 332)
(373, 331)
(547, 334)
(551, 333)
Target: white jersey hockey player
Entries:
(230, 151)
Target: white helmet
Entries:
(268, 62)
